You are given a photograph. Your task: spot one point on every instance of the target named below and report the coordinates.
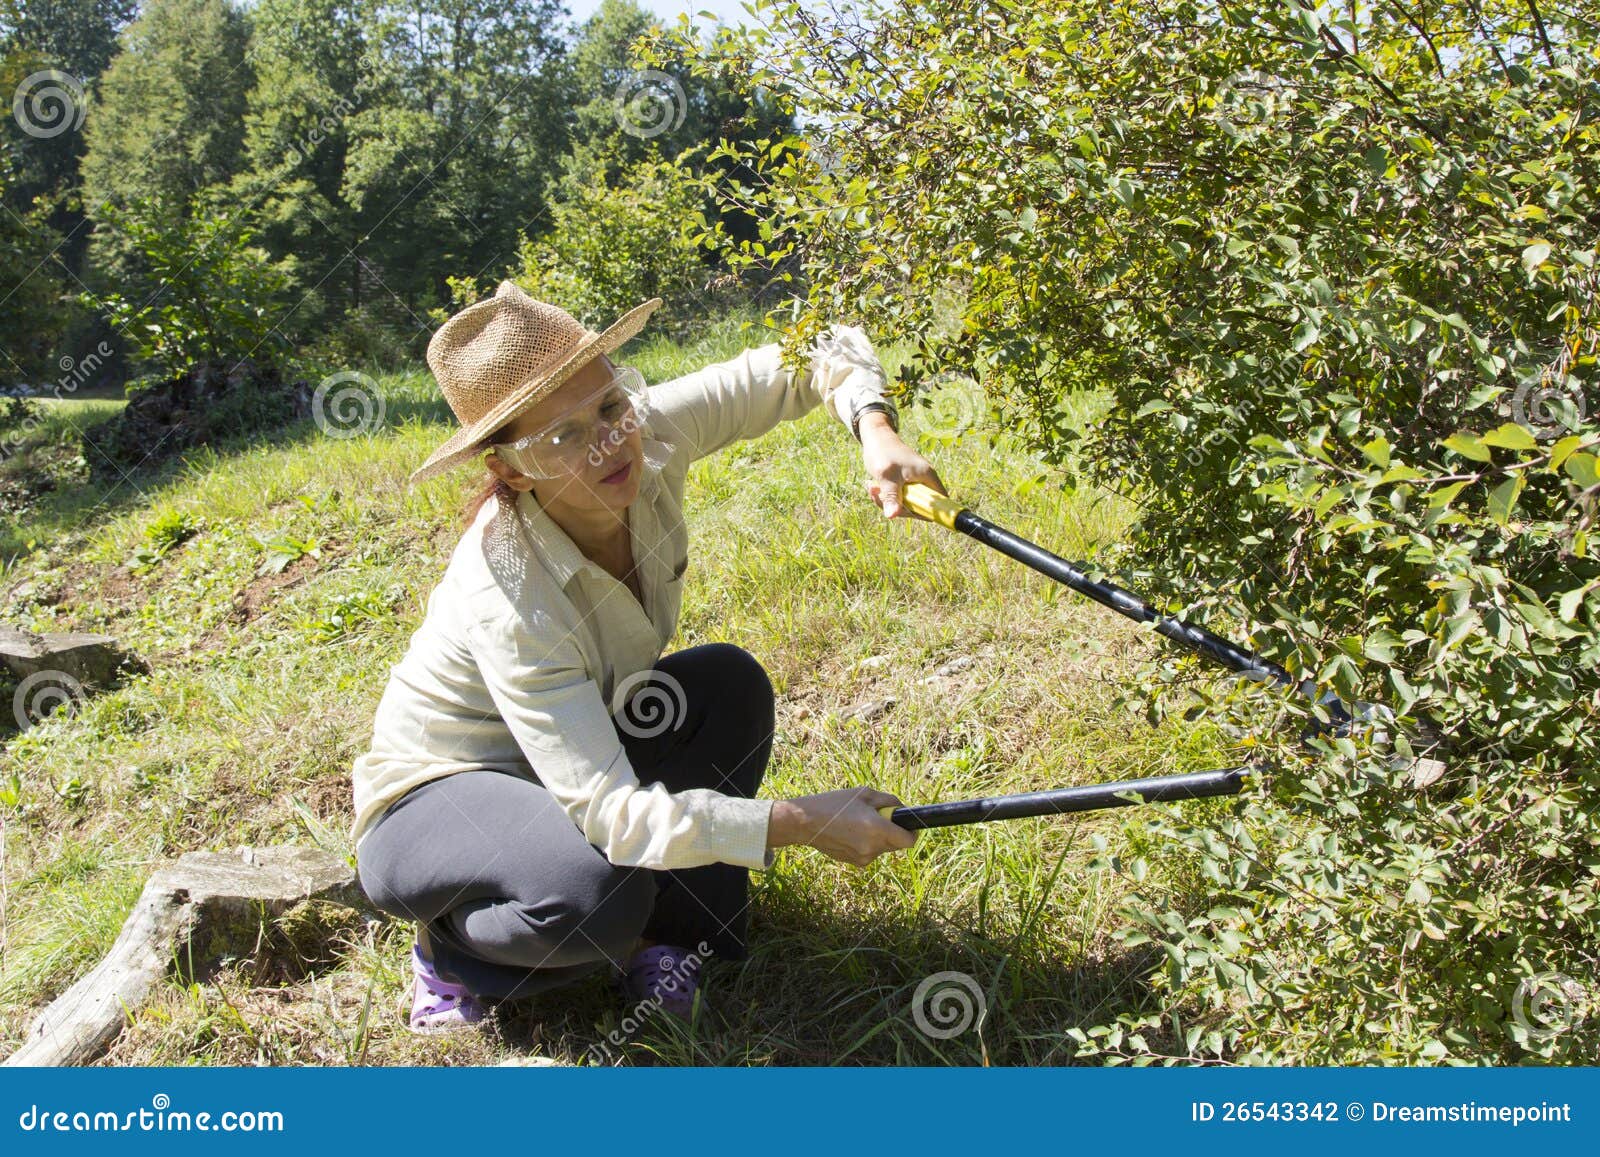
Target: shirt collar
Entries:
(552, 544)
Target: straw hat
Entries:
(500, 356)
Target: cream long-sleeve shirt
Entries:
(525, 642)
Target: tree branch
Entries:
(1544, 37)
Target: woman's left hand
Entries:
(891, 464)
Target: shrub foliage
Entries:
(1333, 269)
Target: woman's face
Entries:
(607, 477)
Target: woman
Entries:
(542, 797)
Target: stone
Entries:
(91, 660)
(871, 709)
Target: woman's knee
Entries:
(739, 668)
(615, 913)
(377, 881)
(741, 688)
(602, 911)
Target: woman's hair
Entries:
(492, 487)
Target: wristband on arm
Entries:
(883, 408)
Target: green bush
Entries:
(213, 294)
(614, 245)
(166, 532)
(16, 414)
(1336, 280)
(370, 335)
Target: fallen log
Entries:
(190, 911)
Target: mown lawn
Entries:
(264, 684)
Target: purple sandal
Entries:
(440, 1005)
(663, 974)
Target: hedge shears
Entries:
(949, 513)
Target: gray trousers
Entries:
(516, 901)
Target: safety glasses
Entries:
(585, 434)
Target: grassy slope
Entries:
(264, 687)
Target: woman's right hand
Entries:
(843, 824)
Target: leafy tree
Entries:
(221, 297)
(74, 37)
(51, 56)
(615, 245)
(450, 157)
(313, 70)
(34, 318)
(1331, 269)
(628, 106)
(168, 120)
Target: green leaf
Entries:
(1542, 621)
(1511, 437)
(1503, 499)
(1563, 449)
(1377, 452)
(1304, 334)
(1400, 472)
(1535, 255)
(1468, 446)
(1581, 467)
(1380, 645)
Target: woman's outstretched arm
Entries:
(748, 395)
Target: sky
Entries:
(728, 11)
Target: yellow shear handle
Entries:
(932, 505)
